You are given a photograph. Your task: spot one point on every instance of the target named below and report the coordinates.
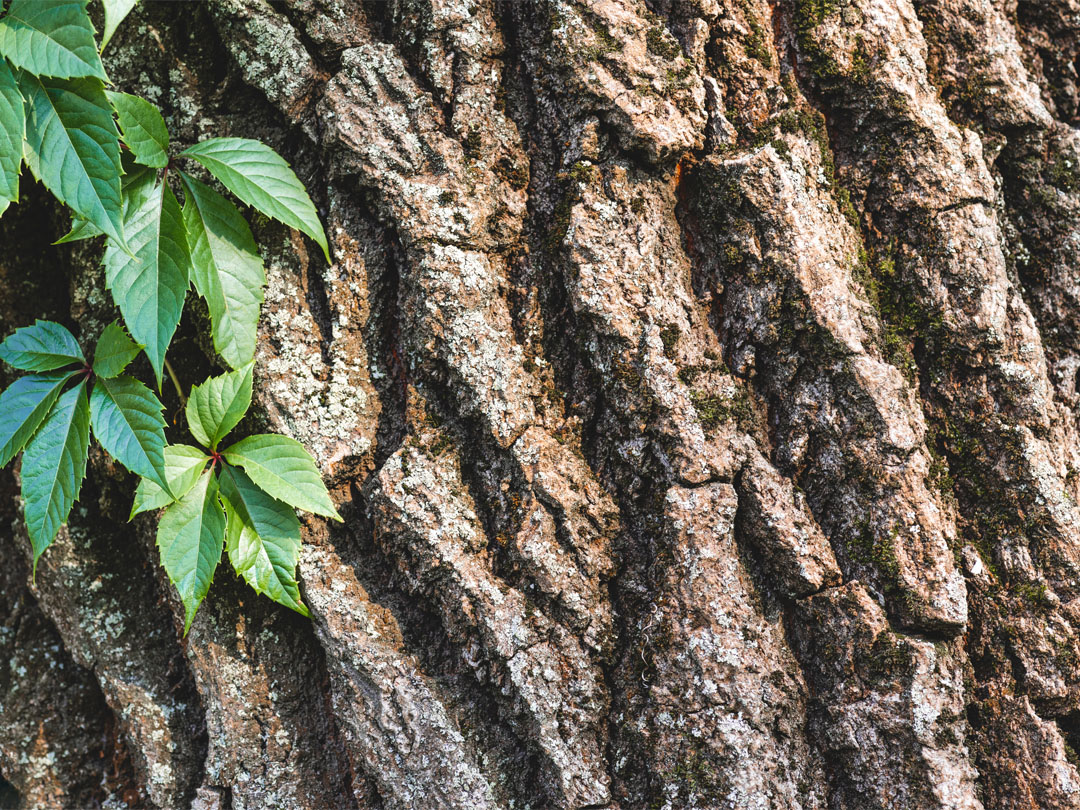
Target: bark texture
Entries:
(698, 380)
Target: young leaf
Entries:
(23, 408)
(149, 288)
(127, 421)
(53, 467)
(80, 229)
(183, 465)
(12, 129)
(215, 407)
(226, 269)
(262, 536)
(260, 177)
(72, 147)
(42, 347)
(115, 350)
(143, 129)
(190, 537)
(282, 467)
(115, 12)
(50, 38)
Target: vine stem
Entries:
(176, 383)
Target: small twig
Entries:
(176, 383)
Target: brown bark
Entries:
(698, 381)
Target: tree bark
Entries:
(698, 381)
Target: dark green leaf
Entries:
(115, 12)
(143, 129)
(114, 351)
(80, 229)
(42, 347)
(226, 269)
(217, 406)
(50, 38)
(53, 468)
(127, 421)
(190, 537)
(73, 148)
(284, 469)
(23, 408)
(262, 537)
(12, 129)
(260, 177)
(183, 464)
(149, 288)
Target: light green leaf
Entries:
(80, 229)
(53, 467)
(23, 407)
(143, 129)
(260, 177)
(262, 537)
(127, 421)
(217, 406)
(149, 287)
(183, 465)
(42, 347)
(12, 129)
(284, 469)
(114, 351)
(115, 12)
(190, 537)
(73, 148)
(50, 38)
(226, 269)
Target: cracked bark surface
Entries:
(697, 380)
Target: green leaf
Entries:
(80, 229)
(285, 470)
(262, 537)
(260, 177)
(42, 347)
(226, 269)
(50, 38)
(190, 537)
(127, 421)
(143, 129)
(183, 465)
(115, 12)
(23, 407)
(217, 406)
(149, 287)
(114, 351)
(12, 130)
(53, 467)
(72, 147)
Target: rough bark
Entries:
(698, 381)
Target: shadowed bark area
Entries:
(697, 380)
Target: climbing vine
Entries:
(58, 118)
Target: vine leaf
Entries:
(189, 538)
(127, 421)
(262, 537)
(80, 229)
(12, 130)
(114, 351)
(115, 12)
(226, 269)
(73, 148)
(143, 129)
(51, 38)
(217, 406)
(283, 469)
(260, 177)
(45, 346)
(149, 287)
(53, 467)
(183, 465)
(24, 406)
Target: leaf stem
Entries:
(176, 383)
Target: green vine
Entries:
(58, 118)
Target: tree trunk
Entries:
(698, 381)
